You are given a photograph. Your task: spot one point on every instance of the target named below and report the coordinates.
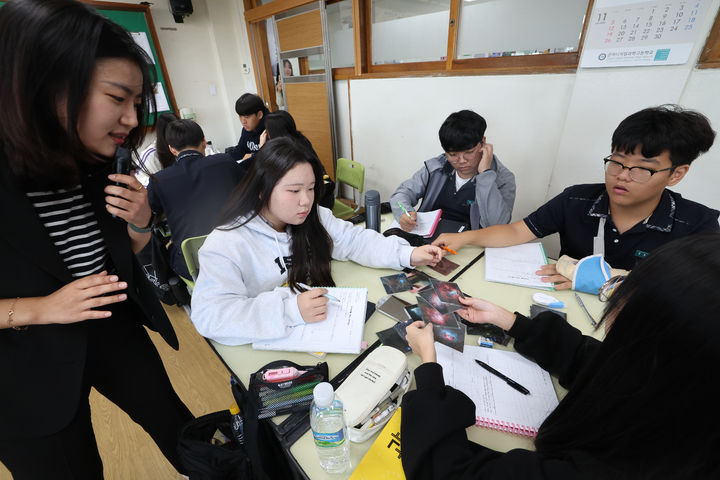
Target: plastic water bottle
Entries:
(329, 431)
(237, 425)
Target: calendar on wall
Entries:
(629, 33)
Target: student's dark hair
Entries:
(312, 246)
(462, 131)
(161, 145)
(249, 104)
(282, 124)
(685, 134)
(647, 402)
(183, 134)
(48, 52)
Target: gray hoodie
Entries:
(237, 298)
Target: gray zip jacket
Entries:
(494, 192)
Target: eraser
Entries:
(547, 300)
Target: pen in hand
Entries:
(507, 380)
(326, 295)
(404, 209)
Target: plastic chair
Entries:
(190, 247)
(352, 173)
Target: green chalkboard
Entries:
(137, 20)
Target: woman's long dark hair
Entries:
(162, 150)
(281, 124)
(48, 52)
(647, 404)
(311, 244)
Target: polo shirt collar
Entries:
(662, 218)
(188, 154)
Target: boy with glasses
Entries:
(467, 182)
(633, 212)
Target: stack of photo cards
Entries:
(437, 305)
(411, 282)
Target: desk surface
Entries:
(243, 360)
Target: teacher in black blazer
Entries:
(73, 300)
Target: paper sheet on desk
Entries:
(341, 332)
(516, 265)
(495, 401)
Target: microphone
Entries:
(121, 165)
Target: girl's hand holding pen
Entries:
(408, 221)
(313, 305)
(426, 255)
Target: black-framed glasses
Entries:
(638, 174)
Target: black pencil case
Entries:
(287, 396)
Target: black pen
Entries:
(507, 380)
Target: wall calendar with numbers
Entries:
(629, 33)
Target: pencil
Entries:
(449, 249)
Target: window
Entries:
(340, 33)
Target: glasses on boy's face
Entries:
(467, 155)
(638, 174)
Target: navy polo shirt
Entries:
(576, 212)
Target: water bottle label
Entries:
(329, 439)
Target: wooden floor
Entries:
(201, 380)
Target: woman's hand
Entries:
(426, 255)
(131, 203)
(421, 340)
(481, 311)
(75, 301)
(312, 305)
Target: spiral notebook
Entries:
(497, 405)
(340, 332)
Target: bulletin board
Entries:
(138, 21)
(635, 33)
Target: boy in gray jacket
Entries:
(467, 182)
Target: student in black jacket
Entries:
(641, 404)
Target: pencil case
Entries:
(373, 391)
(279, 397)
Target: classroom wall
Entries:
(551, 130)
(203, 54)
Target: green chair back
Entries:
(351, 173)
(190, 247)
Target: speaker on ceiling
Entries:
(180, 9)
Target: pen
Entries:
(326, 295)
(582, 305)
(449, 249)
(404, 210)
(507, 380)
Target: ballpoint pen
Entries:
(507, 380)
(326, 295)
(448, 249)
(582, 305)
(404, 210)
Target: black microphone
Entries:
(121, 164)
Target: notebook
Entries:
(516, 265)
(426, 223)
(497, 405)
(340, 332)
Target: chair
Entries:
(190, 247)
(352, 173)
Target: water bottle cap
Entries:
(372, 197)
(323, 394)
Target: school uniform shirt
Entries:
(237, 298)
(191, 192)
(249, 141)
(576, 212)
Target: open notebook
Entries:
(427, 222)
(341, 332)
(497, 405)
